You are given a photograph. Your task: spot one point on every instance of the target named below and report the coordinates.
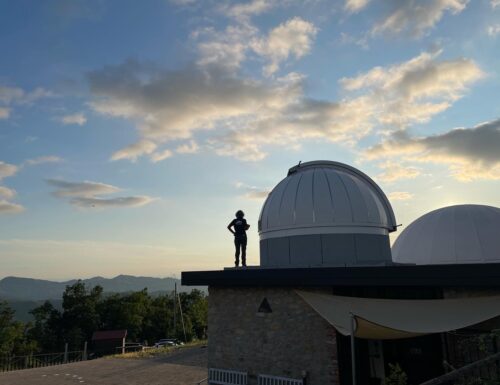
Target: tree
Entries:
(13, 336)
(46, 328)
(80, 317)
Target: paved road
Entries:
(184, 367)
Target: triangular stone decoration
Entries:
(265, 307)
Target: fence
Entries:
(9, 363)
(274, 380)
(226, 377)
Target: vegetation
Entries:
(85, 310)
(396, 375)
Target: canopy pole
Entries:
(353, 349)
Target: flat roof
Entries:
(457, 275)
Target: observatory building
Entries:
(330, 304)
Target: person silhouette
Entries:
(240, 226)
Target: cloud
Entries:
(43, 159)
(393, 172)
(137, 201)
(400, 196)
(469, 153)
(241, 116)
(416, 90)
(242, 11)
(7, 170)
(252, 192)
(292, 38)
(10, 208)
(495, 3)
(494, 30)
(4, 112)
(87, 194)
(416, 17)
(81, 189)
(7, 193)
(134, 151)
(162, 155)
(355, 5)
(188, 148)
(78, 118)
(227, 48)
(16, 95)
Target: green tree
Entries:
(13, 334)
(80, 317)
(46, 328)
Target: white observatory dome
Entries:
(325, 214)
(454, 234)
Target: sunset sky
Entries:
(131, 131)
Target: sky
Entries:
(131, 132)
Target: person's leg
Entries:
(237, 252)
(244, 251)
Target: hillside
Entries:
(29, 289)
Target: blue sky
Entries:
(130, 132)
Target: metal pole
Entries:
(353, 349)
(182, 319)
(175, 310)
(84, 357)
(65, 353)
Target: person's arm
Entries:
(229, 227)
(247, 226)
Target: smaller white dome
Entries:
(451, 235)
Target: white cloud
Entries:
(162, 155)
(43, 159)
(188, 148)
(10, 208)
(292, 38)
(137, 201)
(469, 153)
(400, 196)
(7, 170)
(495, 3)
(87, 194)
(7, 193)
(355, 5)
(394, 171)
(494, 30)
(134, 151)
(4, 112)
(416, 90)
(243, 116)
(11, 95)
(227, 49)
(81, 189)
(242, 11)
(252, 192)
(78, 118)
(416, 17)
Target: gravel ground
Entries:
(182, 367)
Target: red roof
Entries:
(109, 335)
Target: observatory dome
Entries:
(325, 214)
(454, 234)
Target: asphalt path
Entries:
(182, 367)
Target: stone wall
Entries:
(289, 341)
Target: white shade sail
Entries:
(393, 318)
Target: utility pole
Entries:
(175, 308)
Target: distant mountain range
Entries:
(24, 294)
(29, 289)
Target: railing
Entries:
(9, 363)
(274, 380)
(226, 377)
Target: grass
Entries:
(156, 352)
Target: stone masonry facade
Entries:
(291, 340)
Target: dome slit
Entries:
(295, 200)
